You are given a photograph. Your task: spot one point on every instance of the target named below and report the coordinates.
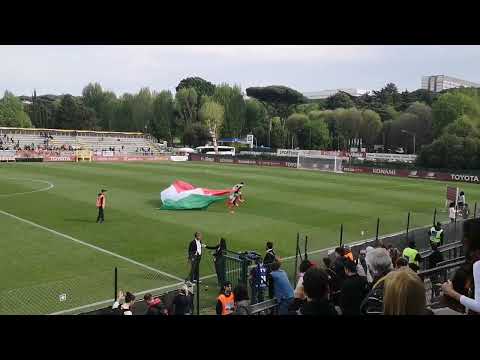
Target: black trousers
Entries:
(220, 270)
(100, 215)
(194, 267)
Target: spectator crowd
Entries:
(381, 280)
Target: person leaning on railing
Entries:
(471, 231)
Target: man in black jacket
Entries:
(354, 290)
(194, 256)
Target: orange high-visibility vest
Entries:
(101, 201)
(227, 303)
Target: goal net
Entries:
(322, 163)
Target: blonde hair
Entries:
(404, 293)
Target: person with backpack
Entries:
(258, 281)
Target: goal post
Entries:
(320, 162)
(83, 155)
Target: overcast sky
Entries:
(67, 69)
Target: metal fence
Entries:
(413, 231)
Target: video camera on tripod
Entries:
(251, 256)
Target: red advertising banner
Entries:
(128, 158)
(196, 157)
(416, 174)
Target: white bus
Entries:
(222, 150)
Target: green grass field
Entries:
(47, 222)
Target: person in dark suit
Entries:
(194, 256)
(219, 259)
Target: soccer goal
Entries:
(320, 162)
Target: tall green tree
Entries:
(451, 152)
(196, 135)
(339, 100)
(73, 114)
(255, 115)
(186, 101)
(347, 125)
(280, 102)
(142, 109)
(462, 127)
(449, 107)
(103, 102)
(231, 98)
(201, 86)
(296, 124)
(212, 115)
(370, 127)
(317, 131)
(388, 96)
(12, 113)
(163, 116)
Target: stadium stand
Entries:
(69, 140)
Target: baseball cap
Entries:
(103, 190)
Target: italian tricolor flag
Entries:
(184, 196)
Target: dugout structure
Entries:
(83, 155)
(320, 162)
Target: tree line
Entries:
(446, 125)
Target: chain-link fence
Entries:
(84, 293)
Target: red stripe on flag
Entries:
(181, 186)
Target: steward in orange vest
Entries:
(101, 201)
(225, 301)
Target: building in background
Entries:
(438, 83)
(323, 94)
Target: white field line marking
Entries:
(213, 275)
(110, 301)
(50, 186)
(91, 246)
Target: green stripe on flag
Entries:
(190, 202)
